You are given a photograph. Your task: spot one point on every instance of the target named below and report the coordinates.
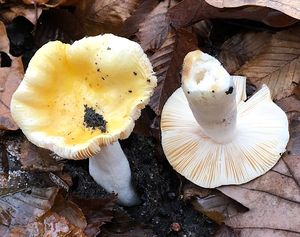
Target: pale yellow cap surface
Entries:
(108, 74)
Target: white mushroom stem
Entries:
(110, 169)
(211, 94)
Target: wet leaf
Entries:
(38, 159)
(23, 208)
(188, 12)
(11, 74)
(103, 16)
(265, 58)
(155, 29)
(97, 212)
(167, 63)
(290, 8)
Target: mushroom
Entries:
(78, 100)
(211, 135)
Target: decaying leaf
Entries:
(38, 159)
(97, 212)
(11, 74)
(154, 30)
(103, 16)
(290, 8)
(124, 226)
(167, 63)
(51, 3)
(188, 12)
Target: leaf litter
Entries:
(44, 195)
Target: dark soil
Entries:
(162, 208)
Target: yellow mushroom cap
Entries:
(75, 98)
(260, 139)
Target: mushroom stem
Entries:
(110, 169)
(211, 94)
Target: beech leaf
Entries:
(277, 63)
(11, 74)
(188, 12)
(265, 58)
(154, 30)
(167, 63)
(103, 16)
(290, 8)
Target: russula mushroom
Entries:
(78, 100)
(211, 135)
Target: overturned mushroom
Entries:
(211, 135)
(78, 100)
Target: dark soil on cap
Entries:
(93, 120)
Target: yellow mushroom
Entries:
(76, 99)
(211, 135)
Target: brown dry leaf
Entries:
(290, 8)
(124, 226)
(38, 159)
(103, 16)
(277, 64)
(188, 12)
(241, 48)
(10, 78)
(97, 212)
(167, 63)
(264, 58)
(155, 29)
(131, 24)
(7, 14)
(51, 3)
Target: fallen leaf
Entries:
(167, 63)
(124, 226)
(58, 24)
(224, 231)
(103, 16)
(290, 8)
(38, 159)
(51, 3)
(7, 14)
(23, 208)
(97, 212)
(277, 64)
(241, 48)
(156, 26)
(10, 78)
(265, 58)
(131, 24)
(188, 12)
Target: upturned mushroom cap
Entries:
(75, 98)
(260, 139)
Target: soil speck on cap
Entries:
(93, 120)
(230, 90)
